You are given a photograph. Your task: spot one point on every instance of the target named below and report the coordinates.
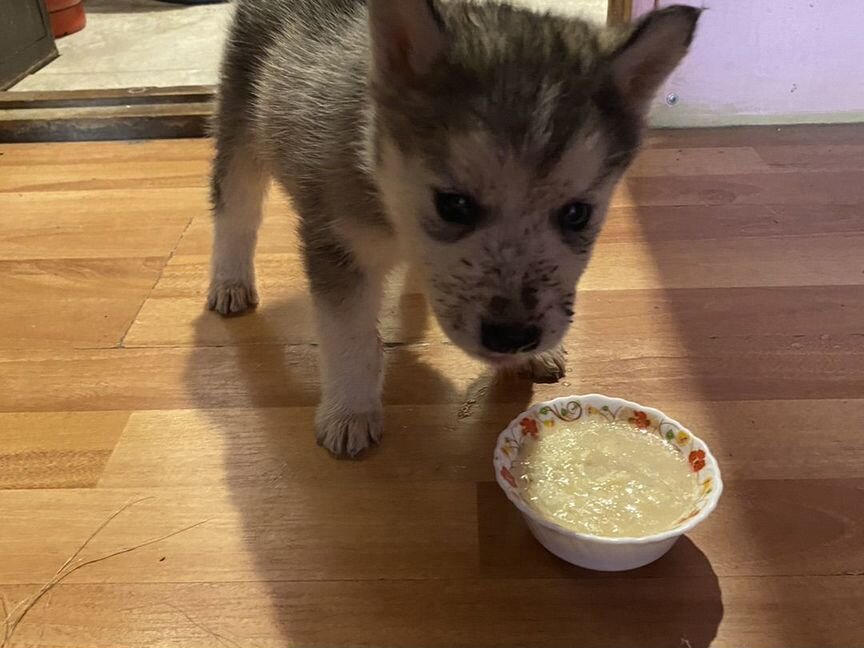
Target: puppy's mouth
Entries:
(472, 342)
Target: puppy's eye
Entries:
(456, 208)
(575, 216)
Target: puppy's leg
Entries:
(238, 188)
(547, 367)
(347, 301)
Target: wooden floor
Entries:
(727, 289)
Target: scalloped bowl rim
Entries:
(538, 518)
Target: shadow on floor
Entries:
(750, 341)
(401, 550)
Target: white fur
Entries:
(236, 223)
(349, 418)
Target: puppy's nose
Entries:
(501, 337)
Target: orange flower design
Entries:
(640, 420)
(507, 475)
(529, 427)
(697, 460)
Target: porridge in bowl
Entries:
(606, 483)
(605, 478)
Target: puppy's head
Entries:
(498, 138)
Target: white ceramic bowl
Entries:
(596, 552)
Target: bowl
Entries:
(597, 552)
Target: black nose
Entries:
(509, 338)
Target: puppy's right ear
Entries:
(408, 37)
(654, 47)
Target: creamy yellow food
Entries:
(605, 478)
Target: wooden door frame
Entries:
(620, 12)
(114, 114)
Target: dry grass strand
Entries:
(13, 618)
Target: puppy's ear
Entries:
(408, 37)
(653, 49)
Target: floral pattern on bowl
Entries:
(548, 415)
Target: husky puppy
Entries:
(479, 141)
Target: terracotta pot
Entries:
(67, 16)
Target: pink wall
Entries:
(769, 61)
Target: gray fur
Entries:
(360, 148)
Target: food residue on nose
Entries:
(606, 479)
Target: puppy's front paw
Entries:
(232, 297)
(546, 367)
(347, 434)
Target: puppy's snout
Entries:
(509, 337)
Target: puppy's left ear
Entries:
(408, 37)
(652, 51)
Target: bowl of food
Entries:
(605, 483)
